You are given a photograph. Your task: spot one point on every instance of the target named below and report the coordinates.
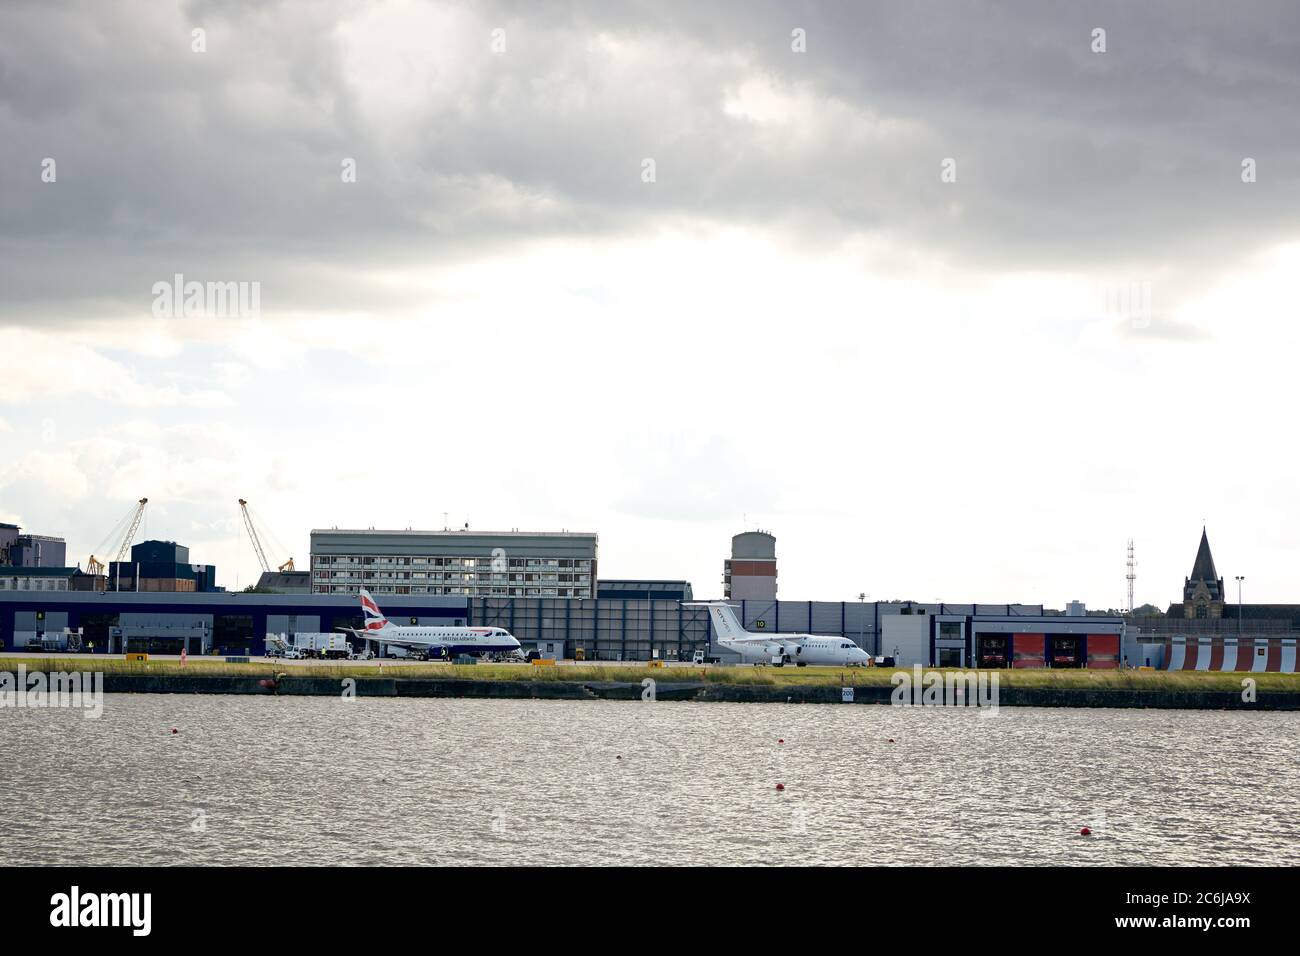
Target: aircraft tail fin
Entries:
(725, 624)
(374, 618)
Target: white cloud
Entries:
(918, 388)
(58, 365)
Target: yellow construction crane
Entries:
(257, 542)
(132, 523)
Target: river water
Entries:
(311, 780)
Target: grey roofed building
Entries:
(524, 544)
(285, 582)
(31, 550)
(18, 578)
(644, 590)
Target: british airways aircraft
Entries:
(426, 640)
(779, 649)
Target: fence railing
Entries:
(1225, 626)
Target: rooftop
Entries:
(1203, 569)
(451, 532)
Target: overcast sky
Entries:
(970, 390)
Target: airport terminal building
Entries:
(623, 628)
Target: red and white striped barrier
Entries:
(1258, 655)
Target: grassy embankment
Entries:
(1186, 681)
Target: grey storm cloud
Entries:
(226, 164)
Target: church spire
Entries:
(1203, 569)
(1203, 591)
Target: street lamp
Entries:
(1240, 578)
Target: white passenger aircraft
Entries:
(425, 640)
(779, 649)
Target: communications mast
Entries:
(1131, 575)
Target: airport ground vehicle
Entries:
(702, 657)
(287, 646)
(306, 644)
(328, 646)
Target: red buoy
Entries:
(175, 731)
(1085, 832)
(780, 786)
(891, 740)
(781, 740)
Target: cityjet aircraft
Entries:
(779, 649)
(425, 640)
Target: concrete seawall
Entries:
(289, 686)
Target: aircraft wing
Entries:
(752, 638)
(413, 645)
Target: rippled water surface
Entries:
(252, 780)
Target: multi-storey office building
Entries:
(465, 563)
